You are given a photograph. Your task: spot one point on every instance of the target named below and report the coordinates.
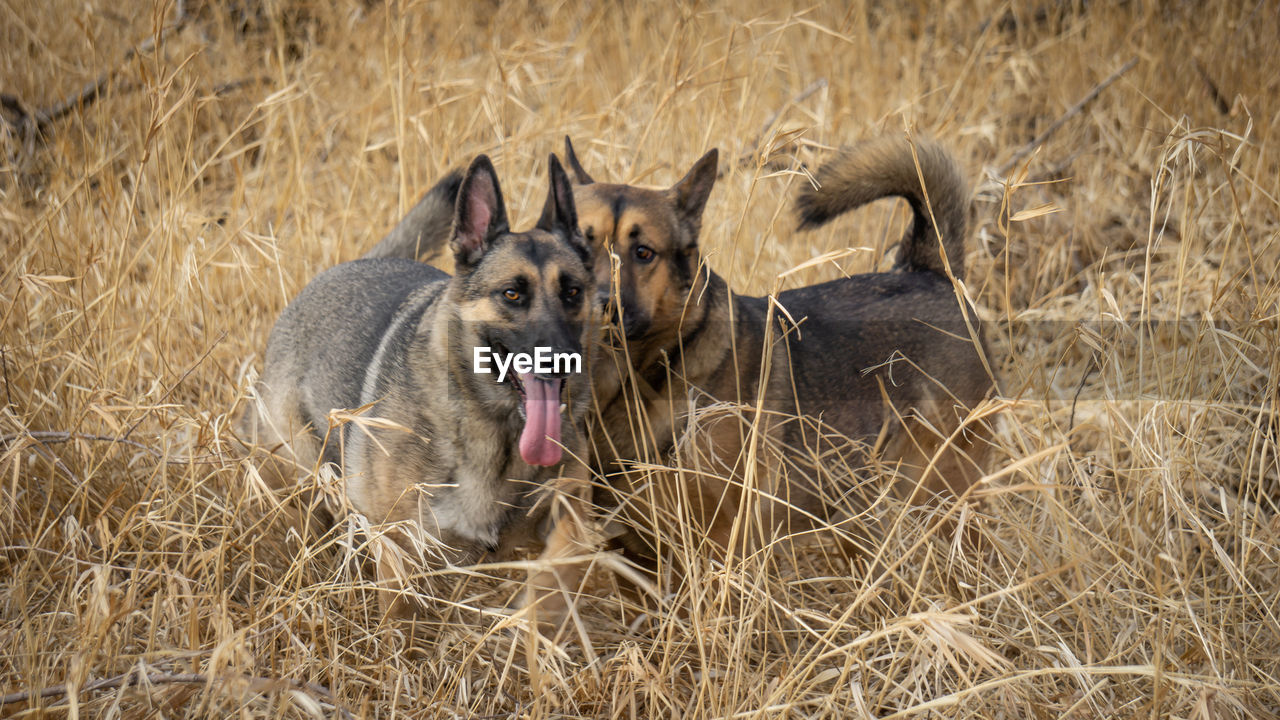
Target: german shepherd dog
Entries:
(890, 361)
(460, 457)
(883, 365)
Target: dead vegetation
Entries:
(152, 229)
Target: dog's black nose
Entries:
(608, 308)
(635, 324)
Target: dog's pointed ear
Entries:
(479, 215)
(691, 193)
(559, 214)
(572, 158)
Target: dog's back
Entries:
(322, 348)
(905, 329)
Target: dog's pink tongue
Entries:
(539, 441)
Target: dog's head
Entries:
(523, 296)
(654, 234)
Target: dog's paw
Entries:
(546, 606)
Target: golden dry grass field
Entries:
(1127, 266)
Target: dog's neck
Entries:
(666, 371)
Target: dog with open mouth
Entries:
(469, 417)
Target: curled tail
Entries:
(886, 167)
(424, 231)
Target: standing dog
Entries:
(890, 361)
(456, 455)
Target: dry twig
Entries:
(1070, 113)
(135, 678)
(33, 124)
(45, 437)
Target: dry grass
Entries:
(149, 240)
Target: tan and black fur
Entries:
(886, 360)
(397, 337)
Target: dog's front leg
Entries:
(562, 567)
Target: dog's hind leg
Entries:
(940, 464)
(284, 451)
(939, 461)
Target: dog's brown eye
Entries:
(591, 235)
(572, 292)
(511, 294)
(644, 253)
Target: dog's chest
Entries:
(489, 492)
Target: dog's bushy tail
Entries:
(424, 231)
(886, 167)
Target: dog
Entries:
(877, 365)
(459, 457)
(890, 361)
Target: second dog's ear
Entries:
(691, 193)
(572, 158)
(479, 215)
(559, 215)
